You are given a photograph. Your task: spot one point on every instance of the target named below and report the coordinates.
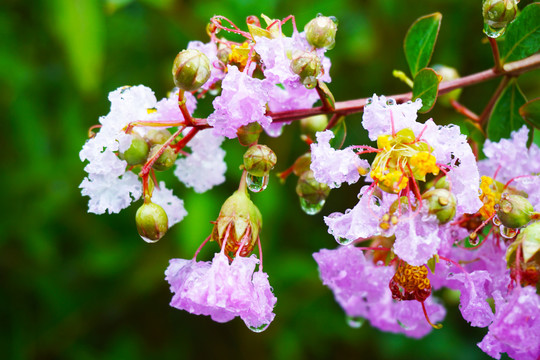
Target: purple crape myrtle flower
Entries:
(510, 158)
(242, 101)
(223, 290)
(361, 288)
(334, 167)
(516, 327)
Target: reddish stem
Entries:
(496, 56)
(200, 247)
(183, 142)
(464, 111)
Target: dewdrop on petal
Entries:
(152, 222)
(191, 69)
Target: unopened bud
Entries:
(312, 193)
(514, 211)
(152, 222)
(137, 152)
(259, 160)
(166, 160)
(308, 66)
(154, 136)
(302, 164)
(238, 224)
(249, 134)
(442, 183)
(530, 240)
(447, 73)
(313, 124)
(497, 15)
(321, 32)
(441, 203)
(191, 69)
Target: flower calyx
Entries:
(191, 69)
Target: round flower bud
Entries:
(321, 32)
(152, 222)
(447, 73)
(497, 15)
(308, 66)
(191, 69)
(312, 194)
(154, 136)
(313, 124)
(442, 183)
(514, 211)
(529, 238)
(302, 164)
(259, 160)
(249, 134)
(166, 160)
(441, 203)
(137, 152)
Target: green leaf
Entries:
(505, 116)
(420, 41)
(522, 35)
(530, 112)
(426, 87)
(340, 133)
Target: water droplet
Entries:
(380, 263)
(450, 274)
(334, 19)
(507, 232)
(376, 200)
(448, 263)
(347, 211)
(259, 328)
(493, 32)
(309, 208)
(496, 207)
(257, 183)
(480, 192)
(402, 324)
(390, 101)
(319, 14)
(355, 322)
(369, 101)
(343, 241)
(505, 196)
(150, 241)
(473, 239)
(359, 196)
(496, 221)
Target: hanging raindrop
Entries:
(257, 183)
(343, 241)
(258, 329)
(355, 322)
(311, 209)
(150, 241)
(496, 221)
(508, 233)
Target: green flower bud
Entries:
(447, 73)
(239, 221)
(308, 66)
(249, 134)
(312, 194)
(321, 32)
(497, 15)
(152, 222)
(259, 160)
(530, 240)
(166, 160)
(223, 54)
(137, 152)
(191, 69)
(154, 136)
(441, 203)
(302, 164)
(514, 211)
(442, 183)
(313, 124)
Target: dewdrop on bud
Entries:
(137, 152)
(166, 160)
(191, 69)
(312, 194)
(249, 134)
(313, 124)
(154, 136)
(307, 65)
(441, 203)
(514, 211)
(321, 32)
(152, 222)
(448, 73)
(259, 160)
(497, 15)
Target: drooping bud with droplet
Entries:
(191, 69)
(441, 203)
(238, 225)
(249, 134)
(497, 15)
(514, 211)
(313, 124)
(321, 32)
(152, 222)
(259, 160)
(448, 73)
(312, 193)
(307, 65)
(154, 136)
(166, 160)
(137, 152)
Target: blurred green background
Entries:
(80, 286)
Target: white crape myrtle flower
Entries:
(110, 193)
(205, 167)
